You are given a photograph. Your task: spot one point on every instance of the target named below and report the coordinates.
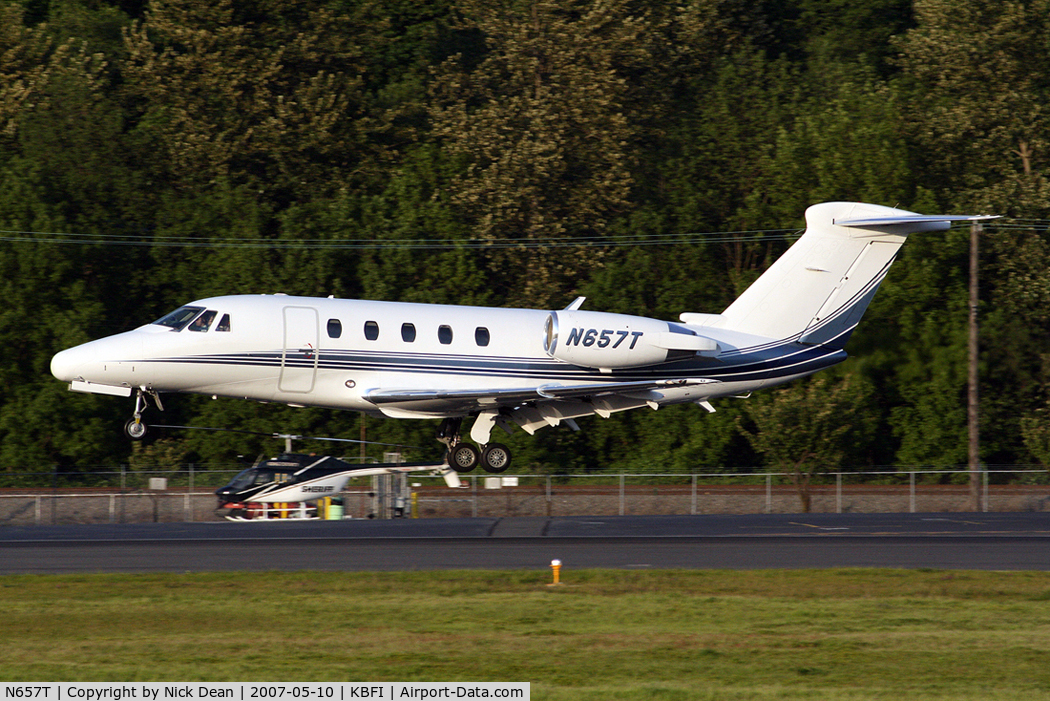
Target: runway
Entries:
(992, 541)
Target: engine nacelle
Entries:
(609, 341)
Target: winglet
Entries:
(576, 304)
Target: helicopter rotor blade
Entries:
(292, 436)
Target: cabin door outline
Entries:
(300, 353)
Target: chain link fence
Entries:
(187, 494)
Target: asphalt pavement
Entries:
(986, 541)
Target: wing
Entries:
(531, 407)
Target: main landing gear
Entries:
(135, 429)
(464, 457)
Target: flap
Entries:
(506, 397)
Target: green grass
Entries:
(830, 634)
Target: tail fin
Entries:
(817, 291)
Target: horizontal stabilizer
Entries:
(909, 221)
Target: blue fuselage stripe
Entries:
(767, 362)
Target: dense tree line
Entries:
(186, 148)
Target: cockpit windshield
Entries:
(178, 319)
(243, 480)
(255, 476)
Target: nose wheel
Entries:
(135, 429)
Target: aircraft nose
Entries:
(66, 364)
(105, 361)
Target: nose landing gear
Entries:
(135, 428)
(464, 457)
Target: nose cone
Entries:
(107, 361)
(66, 364)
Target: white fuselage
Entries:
(332, 352)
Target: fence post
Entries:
(769, 493)
(838, 492)
(985, 471)
(189, 496)
(693, 511)
(54, 495)
(911, 492)
(550, 501)
(621, 494)
(123, 491)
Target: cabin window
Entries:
(445, 334)
(408, 333)
(335, 328)
(481, 336)
(267, 477)
(178, 319)
(224, 323)
(202, 322)
(371, 330)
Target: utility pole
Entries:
(971, 394)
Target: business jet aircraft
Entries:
(527, 367)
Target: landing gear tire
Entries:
(136, 430)
(463, 457)
(495, 457)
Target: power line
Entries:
(610, 241)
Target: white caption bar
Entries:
(272, 691)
